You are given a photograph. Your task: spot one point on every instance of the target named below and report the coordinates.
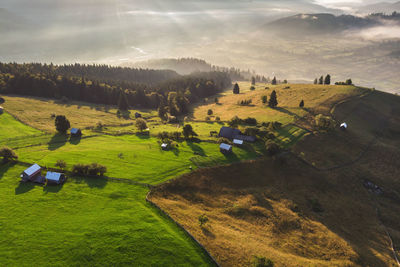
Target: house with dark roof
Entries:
(55, 178)
(228, 132)
(76, 132)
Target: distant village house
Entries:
(55, 178)
(225, 148)
(32, 174)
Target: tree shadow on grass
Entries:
(232, 157)
(283, 110)
(75, 140)
(93, 182)
(24, 188)
(197, 150)
(58, 140)
(53, 188)
(4, 168)
(143, 135)
(207, 232)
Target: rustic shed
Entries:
(31, 173)
(225, 148)
(76, 132)
(55, 178)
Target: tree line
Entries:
(68, 82)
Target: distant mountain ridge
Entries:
(383, 7)
(324, 23)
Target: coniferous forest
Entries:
(102, 84)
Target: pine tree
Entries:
(122, 102)
(273, 82)
(301, 104)
(316, 81)
(321, 80)
(236, 89)
(62, 124)
(253, 80)
(327, 80)
(273, 101)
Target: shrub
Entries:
(325, 123)
(245, 102)
(61, 164)
(209, 112)
(99, 126)
(234, 122)
(264, 99)
(217, 118)
(266, 88)
(203, 219)
(271, 147)
(262, 262)
(8, 154)
(93, 169)
(208, 118)
(250, 121)
(253, 131)
(301, 104)
(252, 88)
(62, 124)
(141, 124)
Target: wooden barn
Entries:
(76, 132)
(32, 173)
(225, 148)
(55, 178)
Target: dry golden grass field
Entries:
(288, 101)
(37, 112)
(294, 214)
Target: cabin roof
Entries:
(238, 142)
(54, 176)
(225, 146)
(32, 169)
(75, 130)
(343, 125)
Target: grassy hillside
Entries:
(10, 128)
(87, 222)
(309, 208)
(288, 101)
(37, 112)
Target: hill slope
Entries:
(307, 208)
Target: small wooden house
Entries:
(32, 173)
(76, 132)
(343, 126)
(138, 115)
(55, 178)
(225, 148)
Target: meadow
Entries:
(288, 95)
(87, 222)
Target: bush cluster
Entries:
(235, 121)
(93, 169)
(325, 123)
(165, 136)
(245, 102)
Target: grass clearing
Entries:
(288, 99)
(37, 113)
(87, 222)
(11, 128)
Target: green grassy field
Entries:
(87, 222)
(10, 128)
(141, 157)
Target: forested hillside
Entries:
(103, 84)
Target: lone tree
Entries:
(301, 104)
(209, 112)
(7, 154)
(62, 124)
(216, 100)
(141, 124)
(321, 80)
(236, 89)
(188, 131)
(253, 80)
(2, 100)
(327, 80)
(273, 101)
(316, 81)
(123, 102)
(273, 82)
(264, 99)
(203, 219)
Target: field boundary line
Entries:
(182, 228)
